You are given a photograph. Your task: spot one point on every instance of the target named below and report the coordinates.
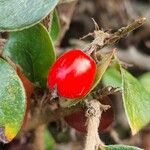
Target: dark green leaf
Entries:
(121, 147)
(55, 27)
(12, 102)
(33, 50)
(112, 77)
(136, 102)
(145, 81)
(19, 14)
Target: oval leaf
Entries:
(121, 147)
(136, 102)
(16, 14)
(33, 50)
(12, 102)
(102, 67)
(112, 77)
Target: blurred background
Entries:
(110, 15)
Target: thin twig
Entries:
(124, 31)
(103, 39)
(109, 90)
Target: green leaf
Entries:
(102, 67)
(19, 14)
(112, 77)
(136, 102)
(145, 81)
(33, 50)
(12, 102)
(49, 141)
(121, 147)
(55, 27)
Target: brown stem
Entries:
(47, 115)
(37, 142)
(100, 93)
(103, 39)
(93, 114)
(124, 31)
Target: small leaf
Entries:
(102, 67)
(12, 102)
(136, 102)
(121, 147)
(145, 81)
(49, 141)
(112, 77)
(55, 27)
(16, 14)
(33, 50)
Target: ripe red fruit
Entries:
(77, 120)
(72, 74)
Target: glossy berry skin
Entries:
(77, 120)
(72, 75)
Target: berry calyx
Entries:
(72, 75)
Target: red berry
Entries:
(77, 120)
(72, 74)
